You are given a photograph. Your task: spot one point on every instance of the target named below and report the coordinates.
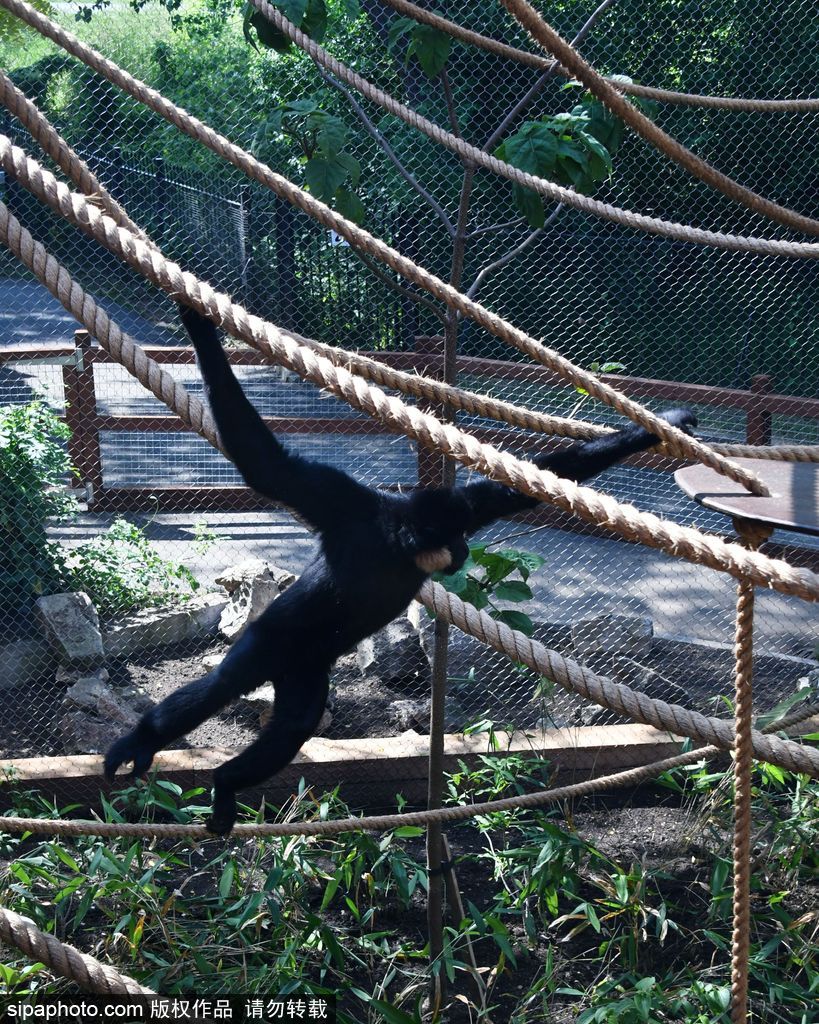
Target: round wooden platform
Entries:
(793, 503)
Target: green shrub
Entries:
(34, 466)
(119, 570)
(122, 570)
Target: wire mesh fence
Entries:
(738, 325)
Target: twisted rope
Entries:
(535, 60)
(121, 346)
(578, 679)
(55, 146)
(551, 41)
(195, 129)
(65, 960)
(147, 261)
(641, 526)
(43, 132)
(471, 155)
(743, 769)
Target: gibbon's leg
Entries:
(297, 711)
(248, 664)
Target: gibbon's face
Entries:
(438, 520)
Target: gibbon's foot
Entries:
(223, 815)
(135, 747)
(685, 419)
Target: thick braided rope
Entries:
(641, 526)
(77, 209)
(615, 696)
(69, 162)
(553, 43)
(743, 770)
(56, 147)
(413, 384)
(65, 960)
(535, 60)
(113, 339)
(382, 822)
(194, 128)
(472, 155)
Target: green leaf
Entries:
(323, 176)
(391, 1014)
(351, 8)
(315, 20)
(352, 165)
(515, 620)
(331, 136)
(399, 28)
(349, 205)
(530, 205)
(532, 148)
(431, 47)
(512, 590)
(226, 880)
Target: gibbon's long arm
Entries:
(489, 501)
(321, 494)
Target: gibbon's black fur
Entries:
(364, 575)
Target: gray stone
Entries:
(606, 636)
(211, 661)
(72, 625)
(646, 680)
(92, 715)
(395, 655)
(410, 714)
(252, 585)
(24, 662)
(155, 628)
(234, 576)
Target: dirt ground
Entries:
(698, 677)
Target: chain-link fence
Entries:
(729, 333)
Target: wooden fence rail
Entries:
(760, 403)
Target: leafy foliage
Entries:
(308, 15)
(428, 45)
(122, 570)
(574, 149)
(119, 570)
(34, 468)
(330, 172)
(484, 580)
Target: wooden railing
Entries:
(760, 403)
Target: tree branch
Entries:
(531, 94)
(509, 256)
(390, 153)
(407, 293)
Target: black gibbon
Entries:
(366, 573)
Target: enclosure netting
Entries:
(599, 293)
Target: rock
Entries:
(72, 676)
(252, 586)
(259, 700)
(600, 638)
(646, 680)
(155, 628)
(234, 576)
(72, 626)
(410, 714)
(24, 662)
(395, 655)
(92, 715)
(211, 661)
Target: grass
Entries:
(555, 928)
